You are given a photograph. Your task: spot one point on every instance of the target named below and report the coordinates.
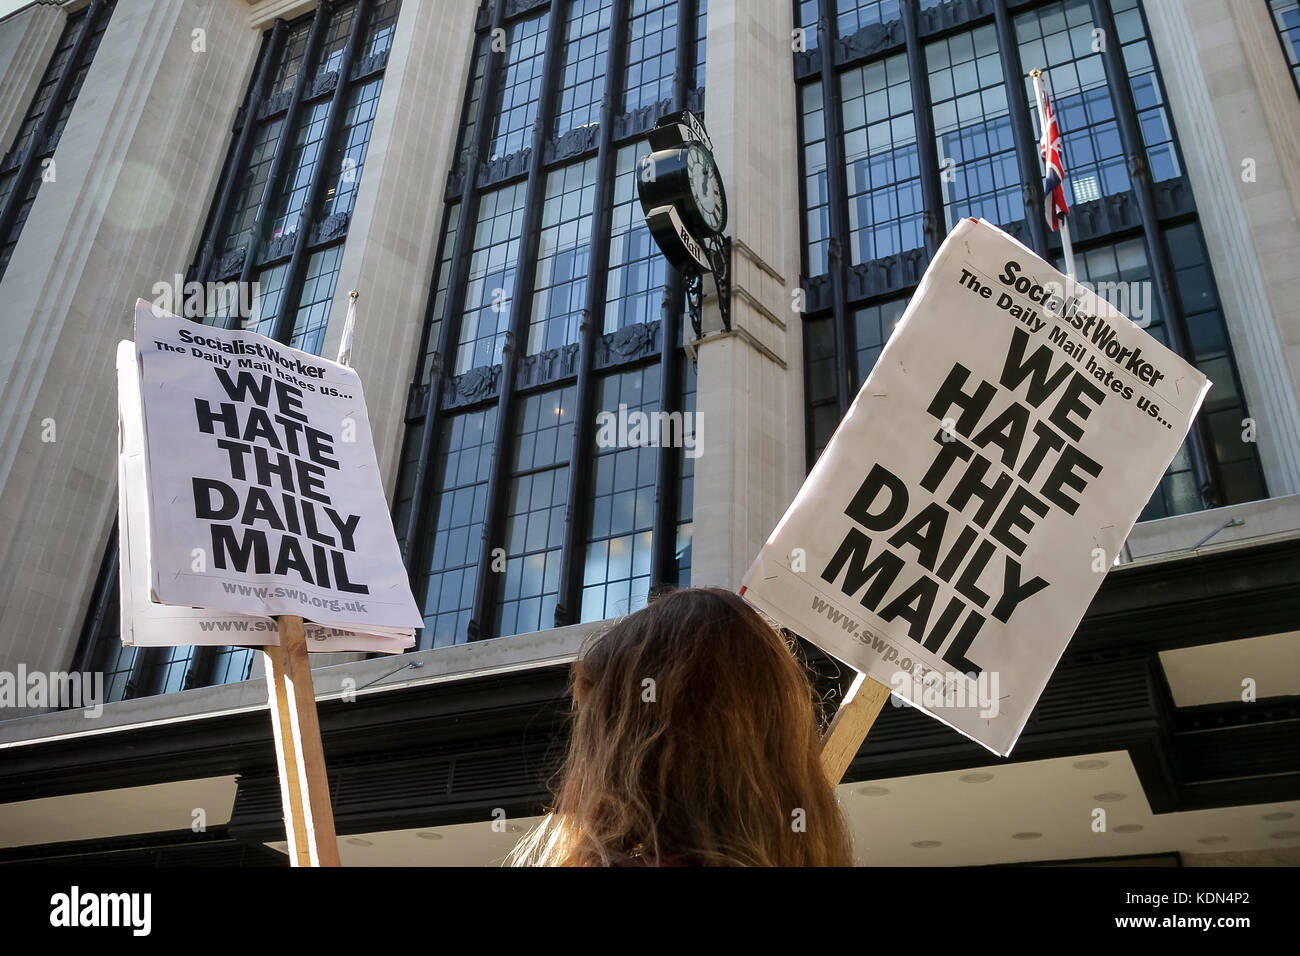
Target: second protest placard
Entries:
(951, 536)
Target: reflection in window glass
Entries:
(295, 46)
(638, 272)
(616, 573)
(292, 193)
(252, 184)
(586, 61)
(806, 19)
(535, 514)
(380, 29)
(349, 157)
(883, 172)
(470, 119)
(874, 325)
(853, 15)
(973, 128)
(1061, 34)
(492, 265)
(651, 52)
(512, 124)
(440, 292)
(317, 297)
(816, 191)
(454, 538)
(1207, 333)
(336, 38)
(698, 72)
(266, 304)
(563, 257)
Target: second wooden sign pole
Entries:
(862, 705)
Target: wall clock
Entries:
(685, 207)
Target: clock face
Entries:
(706, 188)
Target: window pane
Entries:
(512, 124)
(624, 468)
(585, 64)
(638, 271)
(563, 257)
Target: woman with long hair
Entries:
(694, 742)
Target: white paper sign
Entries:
(264, 495)
(148, 624)
(951, 536)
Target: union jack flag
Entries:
(1053, 160)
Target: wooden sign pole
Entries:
(304, 786)
(862, 705)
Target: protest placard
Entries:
(951, 536)
(146, 623)
(248, 488)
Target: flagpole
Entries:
(1067, 247)
(349, 324)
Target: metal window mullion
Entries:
(837, 194)
(454, 301)
(494, 517)
(568, 609)
(1130, 134)
(927, 152)
(667, 480)
(1022, 129)
(239, 155)
(333, 119)
(283, 147)
(36, 145)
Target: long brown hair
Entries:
(694, 740)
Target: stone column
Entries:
(750, 396)
(1232, 101)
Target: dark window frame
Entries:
(440, 394)
(286, 77)
(23, 167)
(845, 288)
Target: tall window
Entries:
(1060, 37)
(281, 216)
(586, 58)
(651, 50)
(464, 461)
(616, 573)
(544, 501)
(280, 219)
(975, 143)
(637, 270)
(964, 101)
(535, 514)
(816, 189)
(563, 257)
(513, 122)
(884, 175)
(493, 261)
(30, 160)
